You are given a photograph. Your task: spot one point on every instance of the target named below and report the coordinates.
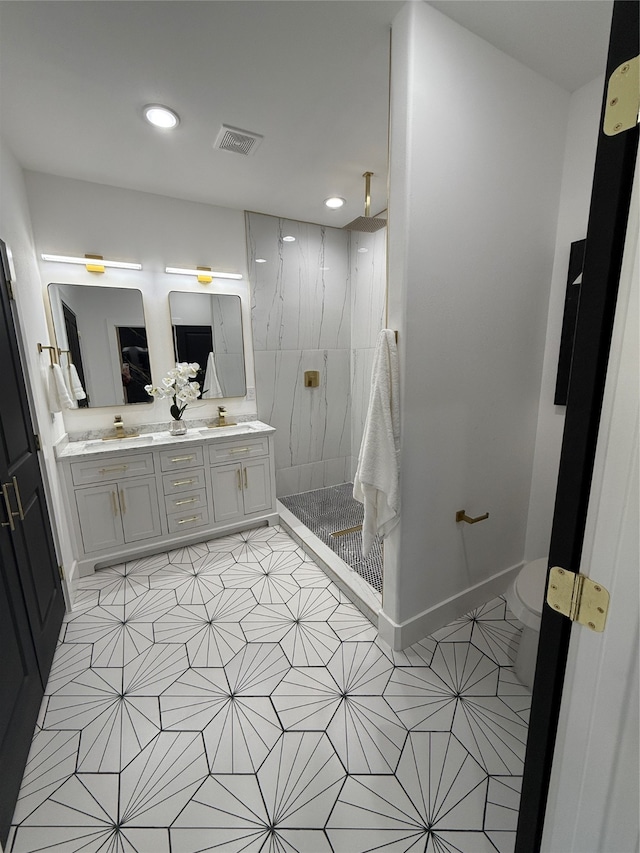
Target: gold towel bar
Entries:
(52, 353)
(461, 515)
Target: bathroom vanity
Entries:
(136, 496)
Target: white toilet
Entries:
(525, 599)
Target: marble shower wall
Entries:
(368, 273)
(301, 317)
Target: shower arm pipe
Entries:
(461, 515)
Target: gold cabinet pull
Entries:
(183, 482)
(238, 450)
(239, 479)
(114, 502)
(182, 458)
(113, 468)
(185, 501)
(18, 499)
(246, 484)
(5, 493)
(123, 504)
(461, 515)
(191, 518)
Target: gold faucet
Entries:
(222, 416)
(119, 425)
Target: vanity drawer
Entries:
(112, 468)
(171, 460)
(183, 481)
(179, 522)
(186, 502)
(238, 451)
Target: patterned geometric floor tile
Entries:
(271, 580)
(228, 697)
(52, 760)
(494, 734)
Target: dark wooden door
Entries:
(608, 216)
(32, 604)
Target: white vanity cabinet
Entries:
(125, 502)
(121, 506)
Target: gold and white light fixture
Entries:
(93, 263)
(205, 275)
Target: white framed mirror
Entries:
(207, 329)
(102, 332)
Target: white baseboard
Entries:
(400, 636)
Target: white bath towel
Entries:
(376, 480)
(211, 384)
(77, 391)
(57, 393)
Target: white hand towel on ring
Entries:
(212, 386)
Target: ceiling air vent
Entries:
(233, 139)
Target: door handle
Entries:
(123, 504)
(18, 499)
(114, 502)
(5, 494)
(239, 479)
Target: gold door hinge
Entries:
(623, 98)
(578, 597)
(61, 572)
(36, 439)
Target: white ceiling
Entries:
(311, 77)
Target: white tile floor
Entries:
(227, 697)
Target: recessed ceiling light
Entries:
(334, 202)
(261, 260)
(160, 116)
(362, 250)
(289, 239)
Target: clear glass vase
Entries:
(177, 427)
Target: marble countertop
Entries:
(159, 440)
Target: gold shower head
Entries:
(367, 222)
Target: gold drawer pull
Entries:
(239, 479)
(113, 468)
(238, 450)
(192, 518)
(185, 501)
(182, 458)
(183, 482)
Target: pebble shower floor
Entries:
(227, 697)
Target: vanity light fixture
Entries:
(289, 239)
(335, 202)
(93, 263)
(161, 116)
(205, 275)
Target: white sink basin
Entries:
(112, 444)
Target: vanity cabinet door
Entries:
(99, 516)
(138, 500)
(226, 481)
(256, 483)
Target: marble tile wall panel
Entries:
(312, 424)
(315, 475)
(368, 287)
(301, 295)
(368, 300)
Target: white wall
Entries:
(16, 231)
(77, 217)
(476, 155)
(577, 177)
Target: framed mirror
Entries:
(101, 331)
(207, 328)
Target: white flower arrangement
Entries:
(178, 385)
